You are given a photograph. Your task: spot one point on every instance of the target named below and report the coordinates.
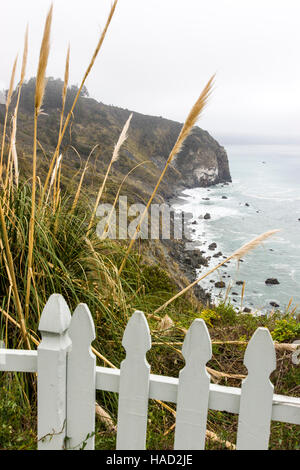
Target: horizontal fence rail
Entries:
(68, 379)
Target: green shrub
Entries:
(156, 279)
(286, 329)
(227, 313)
(16, 421)
(211, 317)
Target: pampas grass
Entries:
(96, 52)
(76, 198)
(185, 132)
(12, 277)
(56, 190)
(9, 257)
(14, 122)
(54, 173)
(236, 255)
(115, 156)
(43, 61)
(121, 140)
(103, 236)
(39, 95)
(253, 244)
(7, 103)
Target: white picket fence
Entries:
(68, 379)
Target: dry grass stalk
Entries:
(278, 346)
(14, 124)
(253, 244)
(165, 324)
(221, 375)
(37, 342)
(8, 100)
(242, 294)
(64, 97)
(39, 94)
(106, 419)
(12, 276)
(236, 255)
(214, 437)
(229, 287)
(14, 149)
(11, 85)
(102, 37)
(65, 88)
(76, 198)
(289, 305)
(121, 140)
(117, 197)
(25, 56)
(43, 61)
(185, 132)
(14, 322)
(210, 435)
(115, 156)
(54, 173)
(286, 347)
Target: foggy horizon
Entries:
(157, 57)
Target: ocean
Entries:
(264, 195)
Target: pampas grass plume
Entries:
(43, 60)
(121, 140)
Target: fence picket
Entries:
(81, 381)
(52, 371)
(134, 385)
(68, 379)
(257, 393)
(193, 389)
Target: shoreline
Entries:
(190, 258)
(226, 284)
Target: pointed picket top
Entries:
(197, 344)
(193, 389)
(134, 385)
(81, 385)
(56, 316)
(136, 338)
(82, 328)
(255, 412)
(51, 373)
(260, 354)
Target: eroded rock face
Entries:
(203, 162)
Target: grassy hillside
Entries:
(49, 244)
(70, 260)
(150, 140)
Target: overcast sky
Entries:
(159, 54)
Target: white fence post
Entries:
(257, 393)
(193, 389)
(134, 385)
(51, 369)
(81, 378)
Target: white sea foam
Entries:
(273, 194)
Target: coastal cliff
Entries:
(202, 161)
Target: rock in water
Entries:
(272, 281)
(220, 284)
(212, 246)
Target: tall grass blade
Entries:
(236, 255)
(185, 132)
